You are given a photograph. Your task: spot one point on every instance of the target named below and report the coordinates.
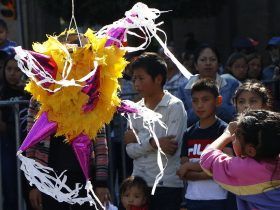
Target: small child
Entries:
(254, 174)
(134, 193)
(252, 94)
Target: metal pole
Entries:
(17, 130)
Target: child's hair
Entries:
(7, 59)
(253, 56)
(232, 59)
(258, 88)
(134, 181)
(3, 24)
(261, 128)
(153, 64)
(206, 84)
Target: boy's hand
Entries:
(129, 137)
(183, 170)
(168, 144)
(232, 126)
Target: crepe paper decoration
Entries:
(126, 108)
(93, 100)
(92, 90)
(143, 18)
(82, 148)
(47, 63)
(47, 181)
(77, 87)
(116, 36)
(41, 129)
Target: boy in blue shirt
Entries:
(202, 192)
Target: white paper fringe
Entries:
(143, 18)
(56, 187)
(32, 69)
(150, 118)
(139, 17)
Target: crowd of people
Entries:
(223, 122)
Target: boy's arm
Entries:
(129, 137)
(176, 124)
(133, 148)
(196, 176)
(191, 171)
(136, 150)
(177, 121)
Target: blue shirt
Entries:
(227, 87)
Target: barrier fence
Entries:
(274, 86)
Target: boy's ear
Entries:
(158, 79)
(219, 100)
(250, 150)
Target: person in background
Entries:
(149, 76)
(134, 193)
(254, 61)
(188, 62)
(246, 45)
(120, 163)
(12, 88)
(174, 78)
(206, 62)
(202, 192)
(271, 58)
(3, 57)
(237, 66)
(254, 173)
(55, 153)
(6, 45)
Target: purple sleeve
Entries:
(233, 173)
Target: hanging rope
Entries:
(73, 20)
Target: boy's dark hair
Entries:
(258, 88)
(134, 181)
(206, 85)
(3, 24)
(261, 128)
(153, 64)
